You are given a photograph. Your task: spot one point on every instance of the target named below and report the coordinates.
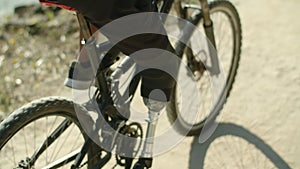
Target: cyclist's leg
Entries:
(151, 78)
(156, 66)
(101, 12)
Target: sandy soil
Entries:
(265, 100)
(263, 110)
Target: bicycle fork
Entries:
(154, 108)
(209, 31)
(204, 14)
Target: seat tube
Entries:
(84, 26)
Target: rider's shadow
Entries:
(232, 146)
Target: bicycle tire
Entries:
(38, 115)
(226, 8)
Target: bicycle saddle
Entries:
(57, 4)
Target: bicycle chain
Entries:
(131, 132)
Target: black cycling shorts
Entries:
(101, 12)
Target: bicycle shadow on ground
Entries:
(199, 151)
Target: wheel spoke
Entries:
(14, 157)
(61, 144)
(50, 139)
(64, 160)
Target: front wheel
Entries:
(43, 134)
(228, 38)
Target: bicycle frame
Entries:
(107, 102)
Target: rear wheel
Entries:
(43, 134)
(227, 32)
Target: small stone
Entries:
(18, 81)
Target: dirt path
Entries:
(265, 100)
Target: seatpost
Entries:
(84, 26)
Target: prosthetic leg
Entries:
(154, 109)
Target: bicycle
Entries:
(58, 115)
